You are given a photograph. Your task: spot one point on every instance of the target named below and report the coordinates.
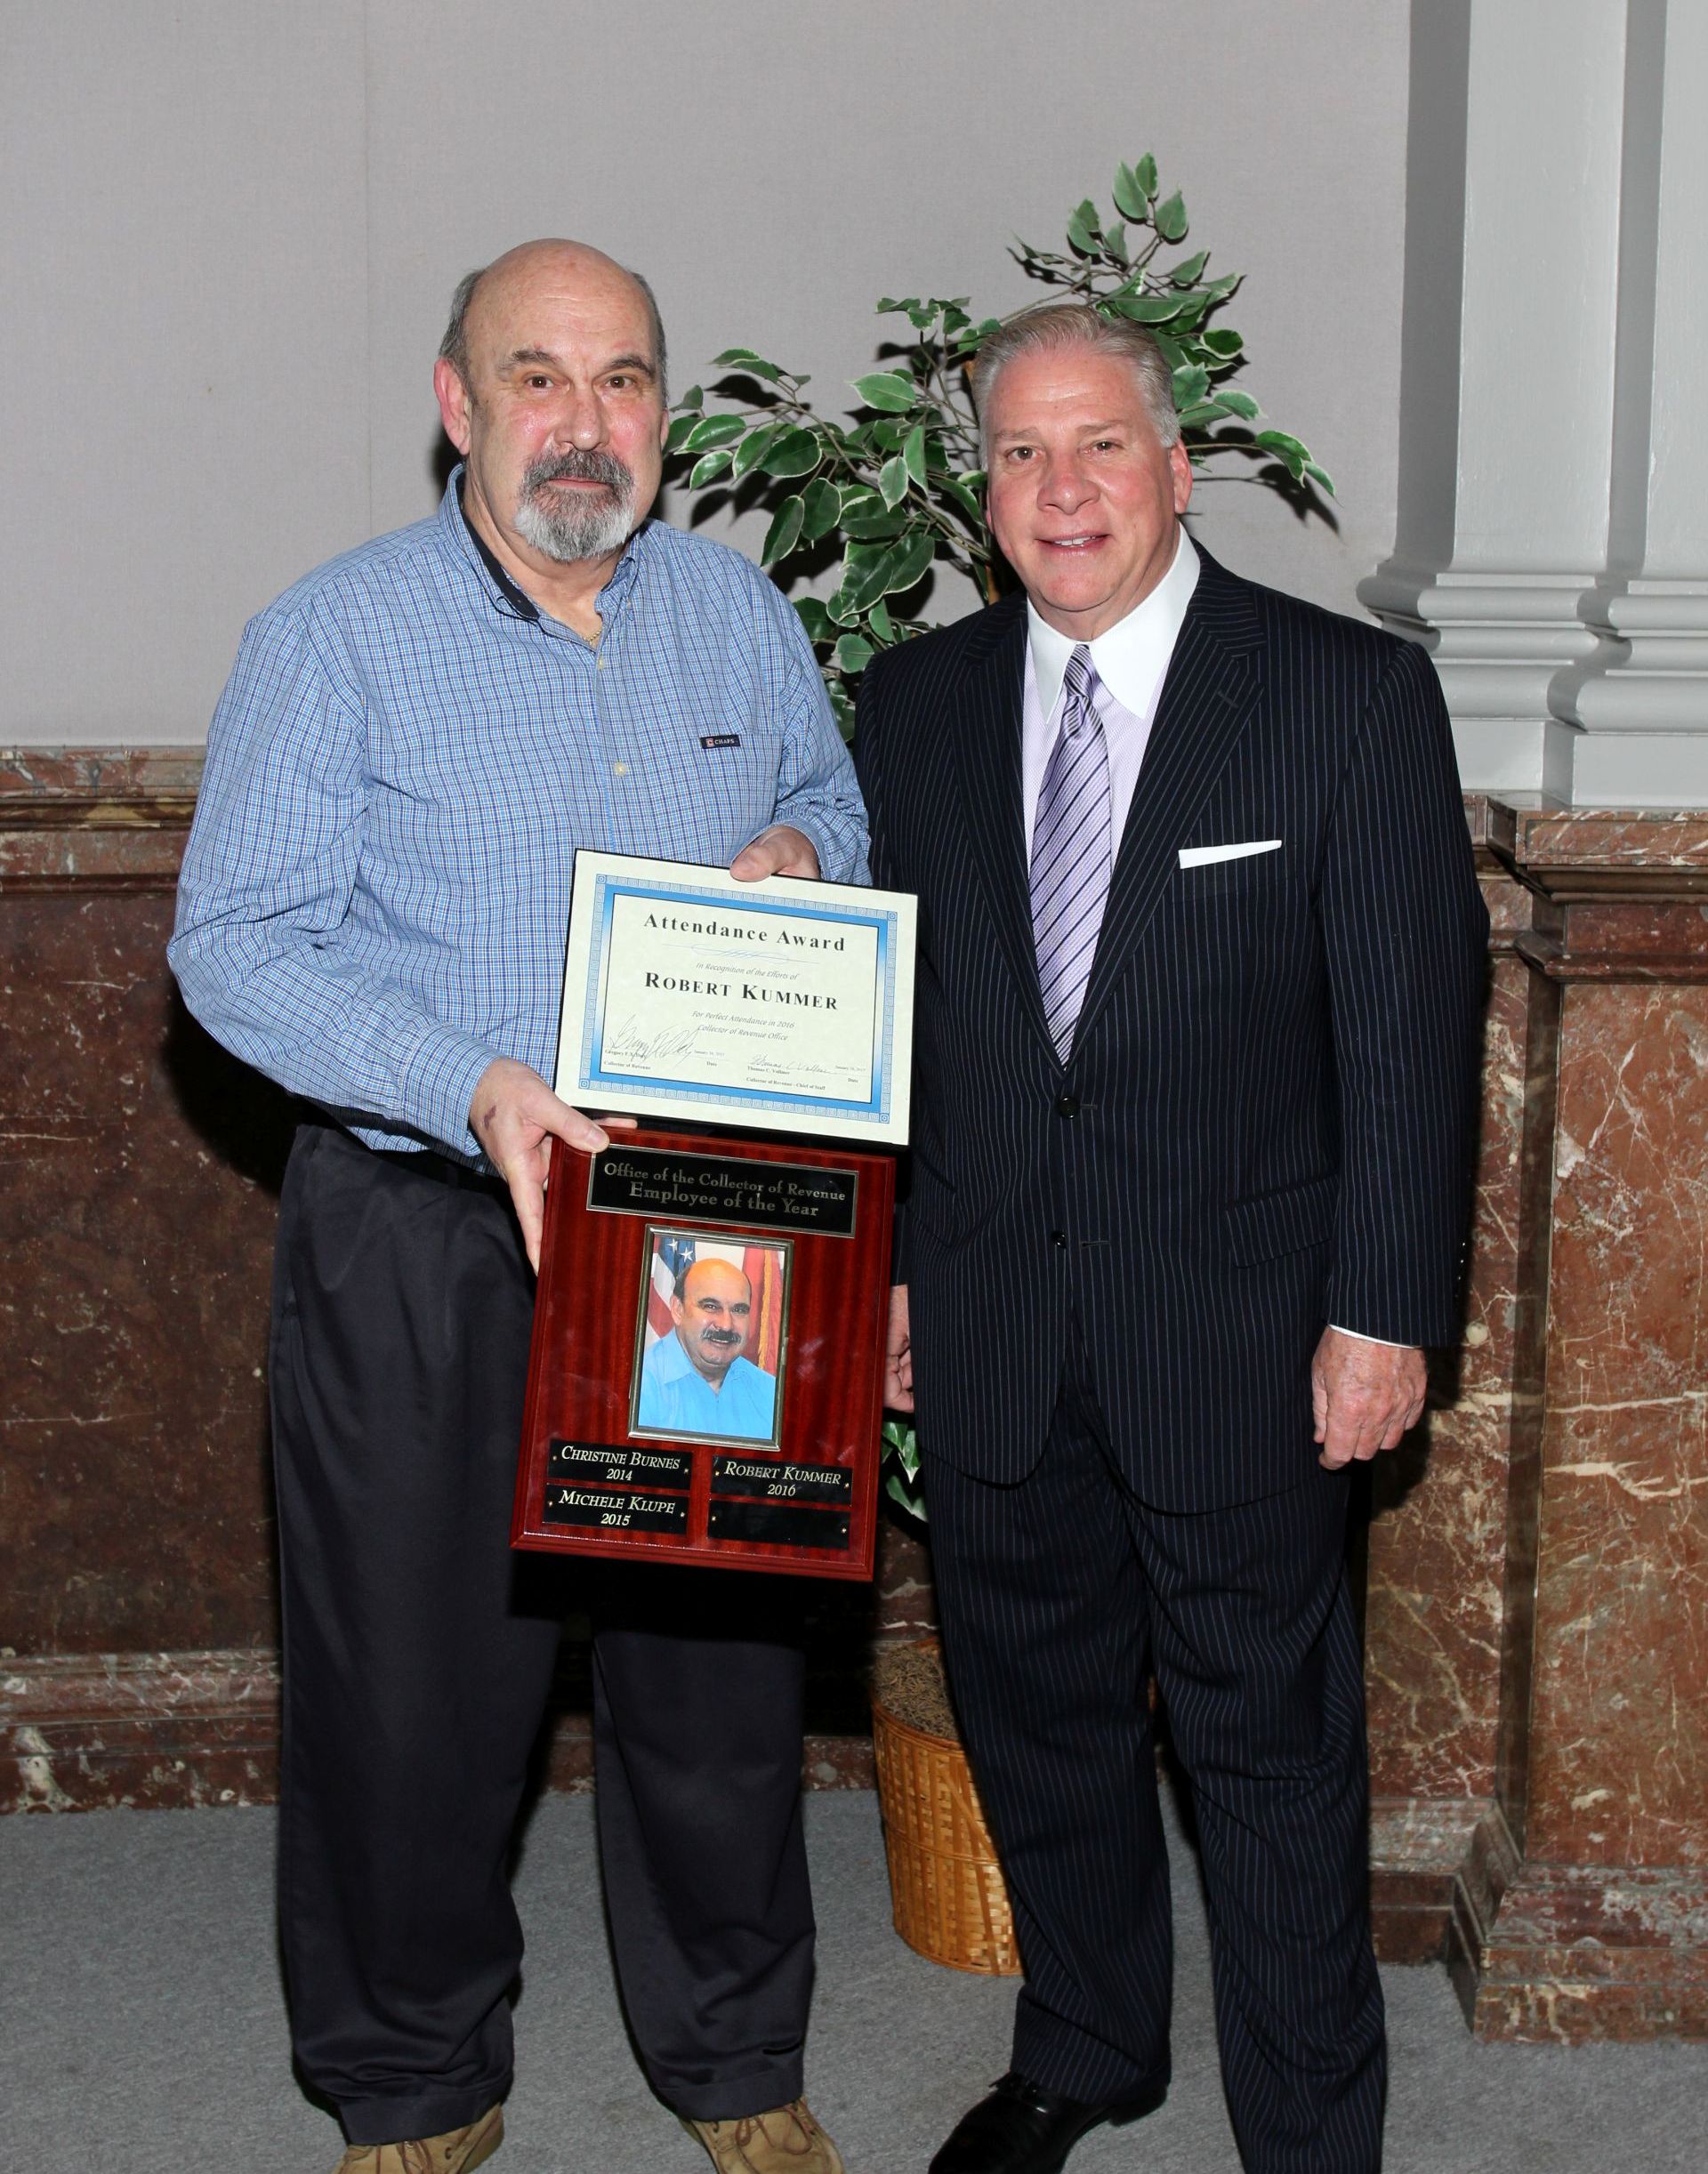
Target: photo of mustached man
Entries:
(711, 1336)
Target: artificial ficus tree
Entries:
(887, 494)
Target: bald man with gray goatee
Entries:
(414, 743)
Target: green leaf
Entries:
(812, 615)
(1171, 218)
(913, 454)
(1129, 198)
(853, 653)
(1238, 403)
(892, 481)
(793, 452)
(784, 531)
(1144, 175)
(953, 487)
(693, 398)
(1191, 386)
(1185, 273)
(1084, 228)
(1320, 476)
(888, 391)
(879, 620)
(1200, 413)
(708, 465)
(898, 569)
(1223, 342)
(1146, 308)
(824, 505)
(874, 522)
(713, 431)
(1286, 448)
(1116, 242)
(748, 363)
(680, 429)
(753, 447)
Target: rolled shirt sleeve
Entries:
(264, 900)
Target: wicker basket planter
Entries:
(945, 1885)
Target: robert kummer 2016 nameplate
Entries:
(783, 1005)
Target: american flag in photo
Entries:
(673, 1254)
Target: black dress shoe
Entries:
(1022, 2128)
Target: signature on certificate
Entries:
(628, 1043)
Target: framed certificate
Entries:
(781, 1006)
(705, 1376)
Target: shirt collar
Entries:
(1131, 657)
(471, 545)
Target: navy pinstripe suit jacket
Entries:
(1266, 1120)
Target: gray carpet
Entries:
(142, 2029)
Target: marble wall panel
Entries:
(1436, 1569)
(136, 1170)
(1619, 1720)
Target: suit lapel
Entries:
(987, 749)
(1207, 698)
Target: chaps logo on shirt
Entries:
(720, 739)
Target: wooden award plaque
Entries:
(705, 1379)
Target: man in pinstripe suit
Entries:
(1200, 969)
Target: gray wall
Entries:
(232, 228)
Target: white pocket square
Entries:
(1201, 856)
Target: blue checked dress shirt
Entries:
(375, 890)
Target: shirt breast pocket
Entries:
(734, 768)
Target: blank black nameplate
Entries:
(708, 1189)
(610, 1510)
(778, 1524)
(610, 1464)
(779, 1481)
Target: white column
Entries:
(1643, 697)
(1508, 384)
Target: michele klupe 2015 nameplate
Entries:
(705, 1378)
(782, 1005)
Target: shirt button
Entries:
(619, 769)
(1059, 1239)
(1066, 1106)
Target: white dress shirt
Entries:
(1131, 660)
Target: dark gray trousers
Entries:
(419, 1653)
(1058, 1594)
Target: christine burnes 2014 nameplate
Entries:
(783, 1005)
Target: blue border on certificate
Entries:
(593, 1072)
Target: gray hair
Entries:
(454, 348)
(1057, 324)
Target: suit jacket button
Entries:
(1059, 1239)
(1066, 1106)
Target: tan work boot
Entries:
(786, 2140)
(459, 2151)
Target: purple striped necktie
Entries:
(1070, 853)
